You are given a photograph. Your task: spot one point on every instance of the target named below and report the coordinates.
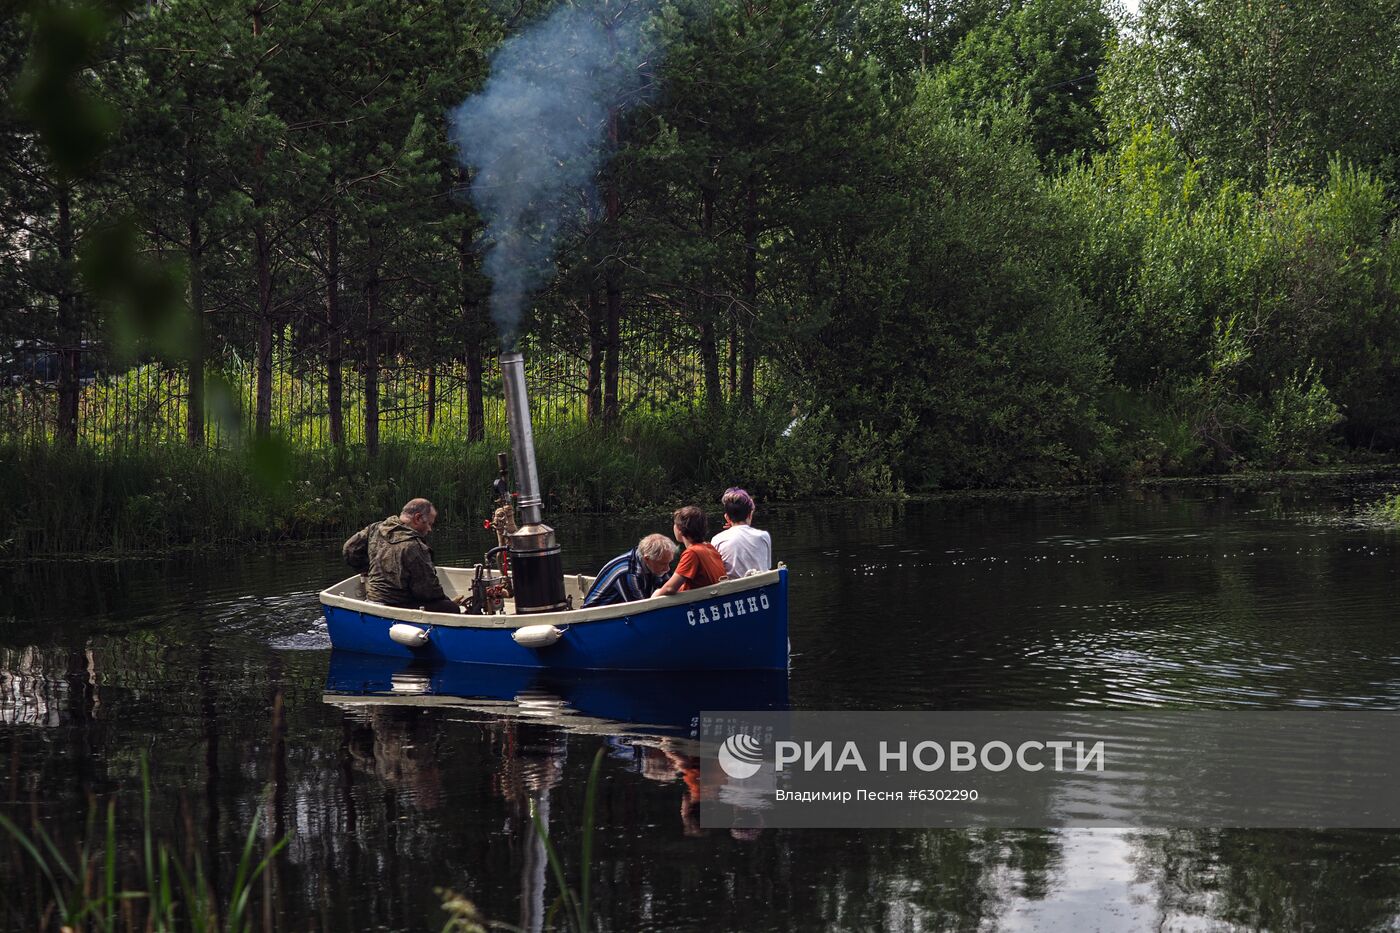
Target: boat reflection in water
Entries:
(649, 719)
(611, 703)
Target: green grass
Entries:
(147, 403)
(87, 500)
(96, 888)
(1385, 512)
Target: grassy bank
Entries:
(133, 500)
(78, 500)
(1383, 513)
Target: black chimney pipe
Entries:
(537, 568)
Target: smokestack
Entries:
(537, 566)
(522, 437)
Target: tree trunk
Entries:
(733, 351)
(597, 327)
(709, 362)
(432, 398)
(194, 410)
(476, 408)
(613, 348)
(194, 413)
(335, 388)
(263, 402)
(262, 261)
(69, 333)
(372, 355)
(612, 278)
(475, 327)
(749, 350)
(597, 332)
(709, 351)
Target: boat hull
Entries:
(732, 626)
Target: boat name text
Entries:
(727, 610)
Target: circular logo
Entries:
(741, 756)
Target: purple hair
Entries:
(738, 504)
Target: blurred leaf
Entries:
(147, 298)
(221, 401)
(73, 124)
(269, 461)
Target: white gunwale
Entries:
(456, 581)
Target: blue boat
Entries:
(659, 702)
(730, 626)
(520, 612)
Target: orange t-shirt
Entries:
(701, 565)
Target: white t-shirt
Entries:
(744, 548)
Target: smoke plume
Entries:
(534, 135)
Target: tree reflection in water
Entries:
(1209, 596)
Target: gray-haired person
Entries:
(395, 556)
(634, 575)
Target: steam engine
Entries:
(532, 569)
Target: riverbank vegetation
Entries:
(1384, 512)
(854, 250)
(85, 500)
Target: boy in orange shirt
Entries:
(700, 564)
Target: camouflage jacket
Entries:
(398, 561)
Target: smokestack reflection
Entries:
(532, 765)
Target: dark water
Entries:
(1190, 596)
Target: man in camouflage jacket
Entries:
(395, 556)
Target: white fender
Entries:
(537, 636)
(410, 635)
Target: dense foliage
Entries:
(1011, 242)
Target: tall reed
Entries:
(574, 904)
(90, 890)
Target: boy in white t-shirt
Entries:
(744, 548)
